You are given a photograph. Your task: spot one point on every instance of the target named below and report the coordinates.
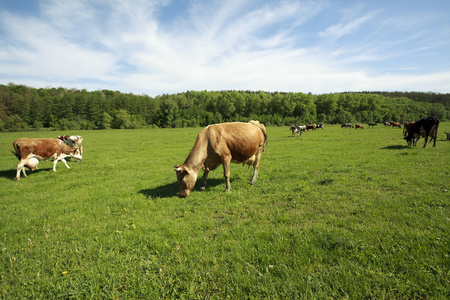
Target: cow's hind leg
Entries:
(256, 165)
(21, 168)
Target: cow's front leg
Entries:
(54, 164)
(205, 176)
(64, 161)
(226, 172)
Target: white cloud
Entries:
(215, 45)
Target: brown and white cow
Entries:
(427, 127)
(222, 144)
(30, 150)
(74, 141)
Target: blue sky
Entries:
(161, 46)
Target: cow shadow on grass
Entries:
(171, 189)
(395, 147)
(11, 174)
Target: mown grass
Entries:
(336, 213)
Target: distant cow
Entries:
(359, 126)
(347, 125)
(396, 124)
(387, 124)
(427, 127)
(295, 130)
(311, 127)
(30, 150)
(221, 144)
(448, 135)
(74, 141)
(320, 126)
(372, 124)
(407, 127)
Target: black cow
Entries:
(427, 127)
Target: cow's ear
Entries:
(177, 168)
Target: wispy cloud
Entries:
(149, 47)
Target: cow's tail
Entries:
(263, 130)
(16, 151)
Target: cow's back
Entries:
(42, 147)
(241, 140)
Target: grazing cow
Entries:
(347, 125)
(359, 126)
(74, 141)
(296, 130)
(30, 150)
(396, 124)
(407, 127)
(311, 127)
(320, 126)
(387, 124)
(448, 135)
(372, 124)
(222, 144)
(427, 127)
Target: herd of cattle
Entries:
(302, 128)
(217, 144)
(412, 131)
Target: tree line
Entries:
(27, 108)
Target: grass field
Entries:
(335, 213)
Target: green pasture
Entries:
(336, 213)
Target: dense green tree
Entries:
(22, 107)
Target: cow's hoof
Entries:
(227, 190)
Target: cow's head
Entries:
(186, 179)
(409, 139)
(76, 154)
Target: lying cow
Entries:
(426, 127)
(222, 144)
(31, 151)
(74, 141)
